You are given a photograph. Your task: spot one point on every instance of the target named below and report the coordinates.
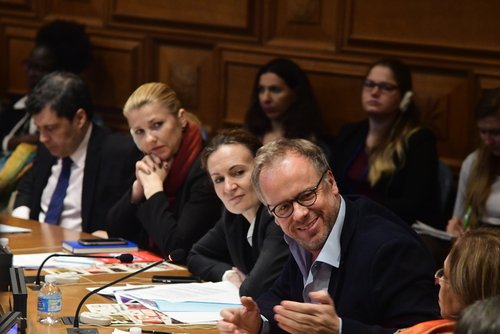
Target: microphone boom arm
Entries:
(76, 322)
(37, 281)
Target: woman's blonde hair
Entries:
(485, 168)
(152, 92)
(389, 152)
(474, 264)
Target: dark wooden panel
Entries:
(456, 27)
(222, 13)
(237, 90)
(304, 24)
(189, 70)
(227, 19)
(115, 73)
(19, 42)
(445, 100)
(24, 8)
(88, 11)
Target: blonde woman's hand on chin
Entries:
(151, 172)
(144, 166)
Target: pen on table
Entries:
(173, 280)
(137, 288)
(157, 332)
(466, 220)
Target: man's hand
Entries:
(241, 320)
(295, 317)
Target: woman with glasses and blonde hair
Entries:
(245, 247)
(471, 272)
(478, 195)
(389, 157)
(171, 203)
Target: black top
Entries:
(411, 191)
(195, 211)
(226, 246)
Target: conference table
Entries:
(46, 238)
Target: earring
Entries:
(405, 101)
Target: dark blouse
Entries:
(226, 246)
(195, 211)
(411, 191)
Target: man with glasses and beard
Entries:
(355, 266)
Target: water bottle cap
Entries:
(50, 278)
(4, 242)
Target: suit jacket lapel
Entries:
(336, 279)
(90, 173)
(45, 161)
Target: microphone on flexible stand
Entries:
(124, 258)
(176, 256)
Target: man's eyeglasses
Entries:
(305, 198)
(383, 86)
(439, 276)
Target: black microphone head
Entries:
(177, 256)
(125, 258)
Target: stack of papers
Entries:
(187, 303)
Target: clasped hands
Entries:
(150, 173)
(293, 317)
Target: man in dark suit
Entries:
(355, 266)
(80, 169)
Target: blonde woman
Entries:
(389, 157)
(171, 203)
(471, 272)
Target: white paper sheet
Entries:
(219, 292)
(33, 261)
(13, 229)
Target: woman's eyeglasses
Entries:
(383, 86)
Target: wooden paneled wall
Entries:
(209, 51)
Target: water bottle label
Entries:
(46, 304)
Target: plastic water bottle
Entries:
(49, 302)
